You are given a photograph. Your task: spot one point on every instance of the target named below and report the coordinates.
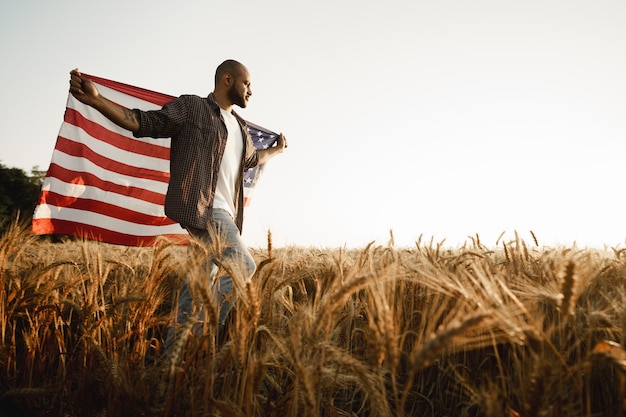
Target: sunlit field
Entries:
(514, 329)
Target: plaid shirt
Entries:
(199, 136)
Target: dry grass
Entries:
(515, 330)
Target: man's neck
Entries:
(223, 102)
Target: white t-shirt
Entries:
(230, 165)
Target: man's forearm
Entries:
(119, 115)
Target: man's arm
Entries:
(266, 154)
(83, 89)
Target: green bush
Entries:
(19, 193)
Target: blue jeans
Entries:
(220, 245)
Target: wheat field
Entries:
(514, 330)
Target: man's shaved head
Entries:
(230, 66)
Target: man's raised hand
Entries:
(82, 88)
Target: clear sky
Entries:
(437, 118)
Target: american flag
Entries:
(262, 139)
(106, 185)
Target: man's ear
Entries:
(228, 79)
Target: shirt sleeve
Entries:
(163, 123)
(252, 157)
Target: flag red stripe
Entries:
(83, 151)
(141, 93)
(47, 226)
(104, 208)
(99, 132)
(86, 178)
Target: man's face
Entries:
(239, 93)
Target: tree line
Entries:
(19, 193)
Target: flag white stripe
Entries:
(76, 163)
(126, 100)
(78, 135)
(94, 193)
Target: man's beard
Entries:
(236, 98)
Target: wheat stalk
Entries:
(569, 279)
(423, 356)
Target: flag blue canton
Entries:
(262, 139)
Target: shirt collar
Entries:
(216, 107)
(213, 103)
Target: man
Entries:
(210, 148)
